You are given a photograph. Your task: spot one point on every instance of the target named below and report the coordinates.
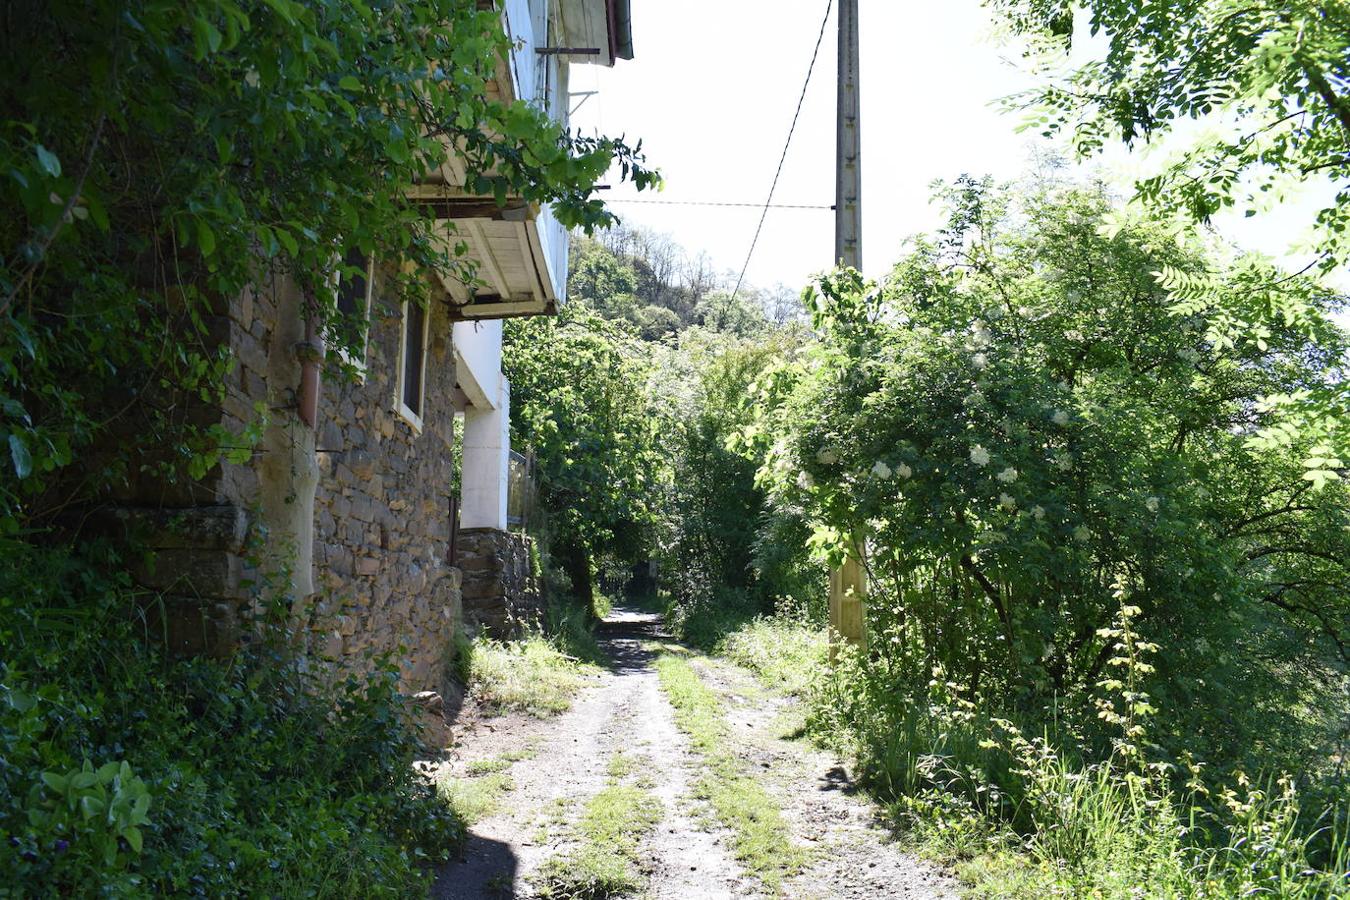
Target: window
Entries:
(355, 280)
(412, 364)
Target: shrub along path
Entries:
(613, 797)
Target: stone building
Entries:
(344, 511)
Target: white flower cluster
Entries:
(904, 471)
(979, 456)
(1007, 476)
(1038, 513)
(980, 335)
(980, 361)
(827, 457)
(1060, 418)
(1073, 334)
(1063, 461)
(881, 470)
(1152, 504)
(1005, 501)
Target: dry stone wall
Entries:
(501, 591)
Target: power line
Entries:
(719, 203)
(786, 144)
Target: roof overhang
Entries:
(603, 25)
(504, 247)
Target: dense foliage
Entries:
(158, 158)
(1070, 533)
(1027, 439)
(123, 773)
(629, 399)
(1268, 81)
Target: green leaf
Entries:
(206, 238)
(18, 453)
(134, 838)
(49, 161)
(349, 83)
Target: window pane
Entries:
(414, 324)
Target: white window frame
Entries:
(412, 418)
(343, 353)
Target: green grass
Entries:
(477, 797)
(500, 763)
(606, 861)
(1078, 829)
(531, 675)
(786, 655)
(761, 839)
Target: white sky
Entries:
(711, 92)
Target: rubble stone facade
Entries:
(349, 520)
(501, 589)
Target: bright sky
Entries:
(711, 93)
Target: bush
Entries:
(123, 772)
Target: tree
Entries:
(578, 392)
(1029, 437)
(1273, 77)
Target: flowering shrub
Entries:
(1024, 435)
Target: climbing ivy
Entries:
(157, 157)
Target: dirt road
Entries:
(553, 767)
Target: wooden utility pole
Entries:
(848, 153)
(848, 582)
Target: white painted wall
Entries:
(487, 446)
(478, 360)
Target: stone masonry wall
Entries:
(382, 524)
(379, 532)
(501, 592)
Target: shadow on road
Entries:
(622, 636)
(486, 870)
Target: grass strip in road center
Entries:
(761, 839)
(605, 864)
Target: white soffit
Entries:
(585, 23)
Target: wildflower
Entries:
(1007, 502)
(881, 470)
(903, 471)
(1060, 418)
(1152, 504)
(1038, 513)
(980, 361)
(1063, 461)
(805, 481)
(1082, 533)
(1007, 476)
(979, 456)
(251, 78)
(827, 457)
(1073, 334)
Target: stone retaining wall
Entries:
(501, 592)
